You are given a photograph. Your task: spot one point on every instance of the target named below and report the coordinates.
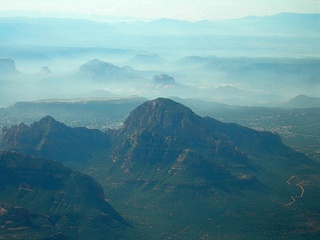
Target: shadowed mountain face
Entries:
(42, 197)
(52, 139)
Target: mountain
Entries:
(52, 139)
(44, 71)
(165, 84)
(103, 71)
(266, 76)
(41, 198)
(162, 131)
(303, 101)
(172, 164)
(163, 79)
(279, 24)
(176, 175)
(173, 36)
(8, 66)
(170, 141)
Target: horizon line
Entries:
(117, 19)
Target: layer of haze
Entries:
(154, 9)
(247, 61)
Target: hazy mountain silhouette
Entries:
(8, 66)
(303, 101)
(104, 72)
(45, 70)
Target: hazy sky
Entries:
(178, 9)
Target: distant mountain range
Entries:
(233, 81)
(163, 32)
(167, 161)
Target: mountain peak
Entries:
(96, 63)
(163, 115)
(303, 101)
(100, 70)
(45, 70)
(48, 119)
(48, 123)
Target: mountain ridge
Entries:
(52, 139)
(98, 31)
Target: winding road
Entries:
(298, 185)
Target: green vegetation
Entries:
(40, 198)
(174, 175)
